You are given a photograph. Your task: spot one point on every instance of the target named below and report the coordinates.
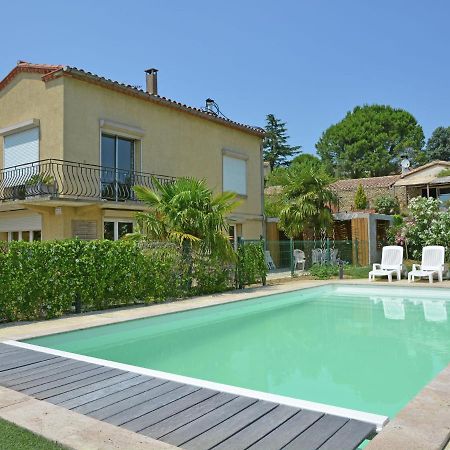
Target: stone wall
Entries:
(347, 198)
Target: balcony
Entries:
(57, 179)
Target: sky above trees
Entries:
(307, 62)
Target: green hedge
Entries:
(42, 280)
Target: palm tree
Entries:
(188, 213)
(307, 199)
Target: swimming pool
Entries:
(367, 348)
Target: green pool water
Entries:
(366, 348)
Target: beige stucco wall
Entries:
(27, 97)
(173, 143)
(422, 176)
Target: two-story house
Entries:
(73, 144)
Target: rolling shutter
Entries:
(21, 148)
(235, 175)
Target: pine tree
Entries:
(276, 149)
(360, 198)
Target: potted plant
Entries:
(40, 184)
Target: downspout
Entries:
(264, 227)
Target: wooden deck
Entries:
(186, 416)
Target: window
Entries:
(444, 195)
(232, 235)
(21, 148)
(117, 160)
(235, 174)
(431, 191)
(28, 235)
(116, 229)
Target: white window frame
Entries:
(235, 235)
(31, 235)
(239, 156)
(116, 225)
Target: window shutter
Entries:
(235, 175)
(85, 230)
(21, 148)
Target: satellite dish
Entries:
(405, 163)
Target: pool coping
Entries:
(88, 320)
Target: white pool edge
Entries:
(378, 420)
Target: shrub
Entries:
(251, 266)
(387, 204)
(324, 271)
(360, 198)
(42, 280)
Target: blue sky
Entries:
(308, 62)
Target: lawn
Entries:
(13, 437)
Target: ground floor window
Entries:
(28, 235)
(116, 229)
(232, 235)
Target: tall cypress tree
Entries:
(276, 149)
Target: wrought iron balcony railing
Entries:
(65, 179)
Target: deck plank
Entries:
(44, 386)
(176, 421)
(118, 407)
(32, 375)
(30, 359)
(350, 436)
(82, 382)
(128, 393)
(169, 409)
(53, 377)
(93, 388)
(91, 396)
(232, 425)
(287, 431)
(10, 349)
(257, 430)
(193, 429)
(318, 433)
(151, 405)
(20, 371)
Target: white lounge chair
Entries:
(433, 257)
(391, 262)
(269, 261)
(299, 259)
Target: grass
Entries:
(357, 271)
(13, 437)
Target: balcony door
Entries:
(117, 160)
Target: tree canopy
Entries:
(370, 141)
(187, 212)
(277, 151)
(438, 146)
(279, 176)
(305, 197)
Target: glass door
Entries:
(117, 160)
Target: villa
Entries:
(73, 144)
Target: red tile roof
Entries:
(50, 72)
(373, 182)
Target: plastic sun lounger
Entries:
(391, 262)
(433, 257)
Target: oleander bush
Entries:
(43, 280)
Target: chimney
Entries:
(152, 81)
